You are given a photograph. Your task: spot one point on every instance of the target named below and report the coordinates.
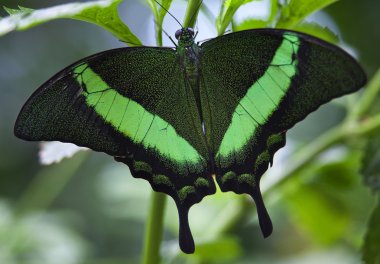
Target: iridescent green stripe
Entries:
(262, 98)
(133, 120)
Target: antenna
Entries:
(199, 7)
(166, 34)
(167, 11)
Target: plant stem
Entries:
(369, 96)
(192, 13)
(159, 36)
(367, 127)
(154, 229)
(225, 19)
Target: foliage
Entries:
(372, 242)
(296, 10)
(331, 187)
(102, 13)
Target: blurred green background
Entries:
(89, 209)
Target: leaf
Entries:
(102, 13)
(227, 12)
(192, 11)
(159, 10)
(318, 31)
(163, 10)
(371, 164)
(273, 10)
(12, 11)
(25, 9)
(319, 202)
(250, 24)
(21, 10)
(371, 252)
(296, 10)
(368, 109)
(235, 3)
(321, 215)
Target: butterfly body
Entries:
(179, 116)
(188, 57)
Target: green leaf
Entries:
(192, 12)
(250, 24)
(12, 11)
(318, 31)
(273, 10)
(227, 12)
(163, 10)
(108, 18)
(296, 10)
(153, 7)
(367, 110)
(102, 13)
(371, 252)
(235, 3)
(371, 164)
(318, 200)
(315, 210)
(26, 9)
(21, 10)
(159, 10)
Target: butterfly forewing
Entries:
(136, 105)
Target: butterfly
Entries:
(182, 117)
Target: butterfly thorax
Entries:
(188, 56)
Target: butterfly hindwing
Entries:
(129, 103)
(256, 85)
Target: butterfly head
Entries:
(185, 36)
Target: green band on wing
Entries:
(133, 120)
(262, 98)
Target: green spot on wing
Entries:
(248, 179)
(275, 139)
(201, 182)
(262, 97)
(228, 176)
(142, 166)
(133, 120)
(262, 162)
(185, 191)
(162, 180)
